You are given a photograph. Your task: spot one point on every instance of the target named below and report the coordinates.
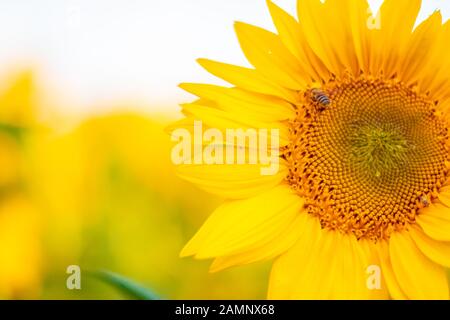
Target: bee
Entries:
(425, 201)
(320, 97)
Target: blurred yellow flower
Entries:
(20, 248)
(18, 99)
(110, 199)
(10, 160)
(20, 227)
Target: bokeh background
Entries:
(86, 90)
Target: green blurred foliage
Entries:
(102, 195)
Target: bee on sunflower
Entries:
(363, 114)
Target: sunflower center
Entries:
(368, 160)
(377, 150)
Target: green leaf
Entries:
(127, 286)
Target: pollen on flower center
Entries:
(378, 149)
(369, 160)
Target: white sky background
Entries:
(99, 52)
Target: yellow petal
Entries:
(314, 21)
(292, 36)
(435, 79)
(322, 265)
(338, 23)
(257, 106)
(248, 79)
(368, 251)
(444, 106)
(434, 74)
(265, 51)
(223, 120)
(434, 227)
(242, 225)
(444, 196)
(397, 21)
(395, 291)
(325, 277)
(336, 31)
(340, 267)
(417, 52)
(437, 210)
(238, 181)
(419, 277)
(436, 251)
(358, 12)
(351, 272)
(268, 250)
(288, 268)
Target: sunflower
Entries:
(360, 208)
